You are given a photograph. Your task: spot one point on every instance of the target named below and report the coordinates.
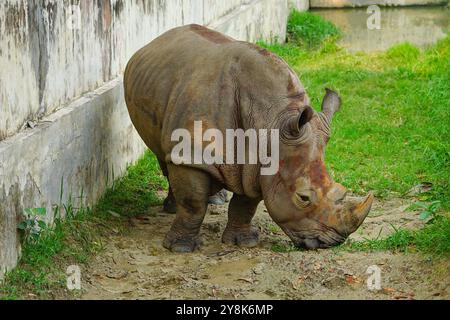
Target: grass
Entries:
(283, 247)
(433, 239)
(135, 193)
(391, 134)
(308, 30)
(393, 129)
(41, 270)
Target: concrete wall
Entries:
(421, 26)
(64, 77)
(300, 5)
(365, 3)
(46, 63)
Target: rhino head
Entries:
(302, 198)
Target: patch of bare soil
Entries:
(136, 266)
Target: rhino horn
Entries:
(355, 214)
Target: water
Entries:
(421, 26)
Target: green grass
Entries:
(41, 270)
(282, 247)
(393, 130)
(308, 30)
(135, 193)
(433, 239)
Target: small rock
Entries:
(30, 124)
(258, 269)
(333, 282)
(420, 188)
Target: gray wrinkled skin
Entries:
(193, 73)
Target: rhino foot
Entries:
(176, 243)
(219, 198)
(247, 238)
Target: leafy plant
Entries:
(282, 247)
(77, 237)
(33, 224)
(429, 209)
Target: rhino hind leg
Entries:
(190, 190)
(239, 230)
(170, 204)
(219, 198)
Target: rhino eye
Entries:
(303, 200)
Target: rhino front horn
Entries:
(356, 213)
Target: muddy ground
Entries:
(134, 265)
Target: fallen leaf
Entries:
(249, 280)
(142, 218)
(117, 276)
(389, 290)
(221, 253)
(114, 214)
(351, 279)
(298, 282)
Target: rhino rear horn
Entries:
(330, 104)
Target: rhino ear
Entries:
(305, 117)
(296, 124)
(330, 104)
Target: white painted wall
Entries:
(365, 3)
(300, 5)
(44, 64)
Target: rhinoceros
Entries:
(194, 73)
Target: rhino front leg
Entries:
(190, 189)
(239, 230)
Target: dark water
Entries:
(421, 26)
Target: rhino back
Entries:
(166, 82)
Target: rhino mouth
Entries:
(315, 239)
(315, 243)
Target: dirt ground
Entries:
(134, 265)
